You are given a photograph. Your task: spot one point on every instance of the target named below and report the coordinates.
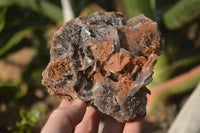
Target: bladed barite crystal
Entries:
(105, 61)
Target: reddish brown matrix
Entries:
(105, 61)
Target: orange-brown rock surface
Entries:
(105, 61)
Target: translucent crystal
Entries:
(105, 61)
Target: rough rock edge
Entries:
(106, 62)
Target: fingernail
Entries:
(77, 102)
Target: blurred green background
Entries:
(26, 29)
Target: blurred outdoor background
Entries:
(26, 29)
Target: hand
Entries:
(85, 120)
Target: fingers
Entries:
(90, 122)
(133, 127)
(65, 118)
(64, 103)
(112, 126)
(68, 115)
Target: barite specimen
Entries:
(105, 61)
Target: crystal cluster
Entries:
(105, 61)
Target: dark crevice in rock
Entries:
(105, 61)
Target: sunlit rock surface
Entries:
(105, 61)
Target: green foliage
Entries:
(2, 18)
(136, 7)
(28, 121)
(24, 24)
(163, 71)
(78, 5)
(182, 13)
(30, 23)
(178, 88)
(14, 40)
(41, 6)
(175, 19)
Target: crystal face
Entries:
(105, 61)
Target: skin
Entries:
(82, 119)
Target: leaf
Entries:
(49, 10)
(6, 2)
(163, 70)
(136, 7)
(40, 6)
(15, 39)
(23, 114)
(161, 6)
(3, 18)
(28, 121)
(180, 84)
(8, 84)
(160, 75)
(35, 115)
(78, 5)
(182, 13)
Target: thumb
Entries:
(65, 118)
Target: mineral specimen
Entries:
(105, 61)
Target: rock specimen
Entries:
(105, 61)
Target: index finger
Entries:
(65, 118)
(133, 127)
(64, 103)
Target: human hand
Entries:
(85, 120)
